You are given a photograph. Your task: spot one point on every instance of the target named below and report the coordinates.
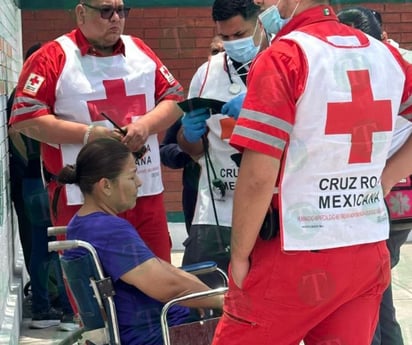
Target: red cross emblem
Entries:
(35, 80)
(168, 76)
(119, 106)
(33, 84)
(165, 72)
(361, 118)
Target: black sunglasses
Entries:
(106, 12)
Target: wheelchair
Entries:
(93, 294)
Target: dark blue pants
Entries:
(388, 330)
(42, 263)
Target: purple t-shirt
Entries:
(120, 249)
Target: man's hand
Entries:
(137, 134)
(194, 124)
(97, 132)
(240, 269)
(232, 108)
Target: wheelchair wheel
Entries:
(27, 289)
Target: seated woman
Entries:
(105, 171)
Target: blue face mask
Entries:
(271, 20)
(242, 50)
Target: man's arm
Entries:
(32, 114)
(52, 130)
(253, 194)
(397, 167)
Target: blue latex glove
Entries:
(232, 108)
(194, 124)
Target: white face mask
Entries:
(244, 49)
(272, 21)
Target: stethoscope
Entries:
(234, 87)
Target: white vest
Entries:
(84, 87)
(336, 200)
(216, 86)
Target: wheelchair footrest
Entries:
(194, 333)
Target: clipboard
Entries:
(199, 102)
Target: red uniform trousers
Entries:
(324, 297)
(148, 217)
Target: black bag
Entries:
(270, 226)
(208, 243)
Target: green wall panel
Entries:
(175, 217)
(68, 4)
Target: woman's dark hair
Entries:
(225, 9)
(102, 158)
(378, 16)
(363, 19)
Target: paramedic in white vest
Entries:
(316, 123)
(222, 78)
(69, 82)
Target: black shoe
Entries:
(47, 319)
(27, 306)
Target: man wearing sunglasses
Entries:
(94, 69)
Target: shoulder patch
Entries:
(168, 76)
(33, 83)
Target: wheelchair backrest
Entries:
(78, 273)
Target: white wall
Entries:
(11, 263)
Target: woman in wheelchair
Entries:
(105, 172)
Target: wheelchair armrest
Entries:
(203, 294)
(206, 267)
(200, 267)
(56, 230)
(55, 246)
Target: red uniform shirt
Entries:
(43, 69)
(277, 94)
